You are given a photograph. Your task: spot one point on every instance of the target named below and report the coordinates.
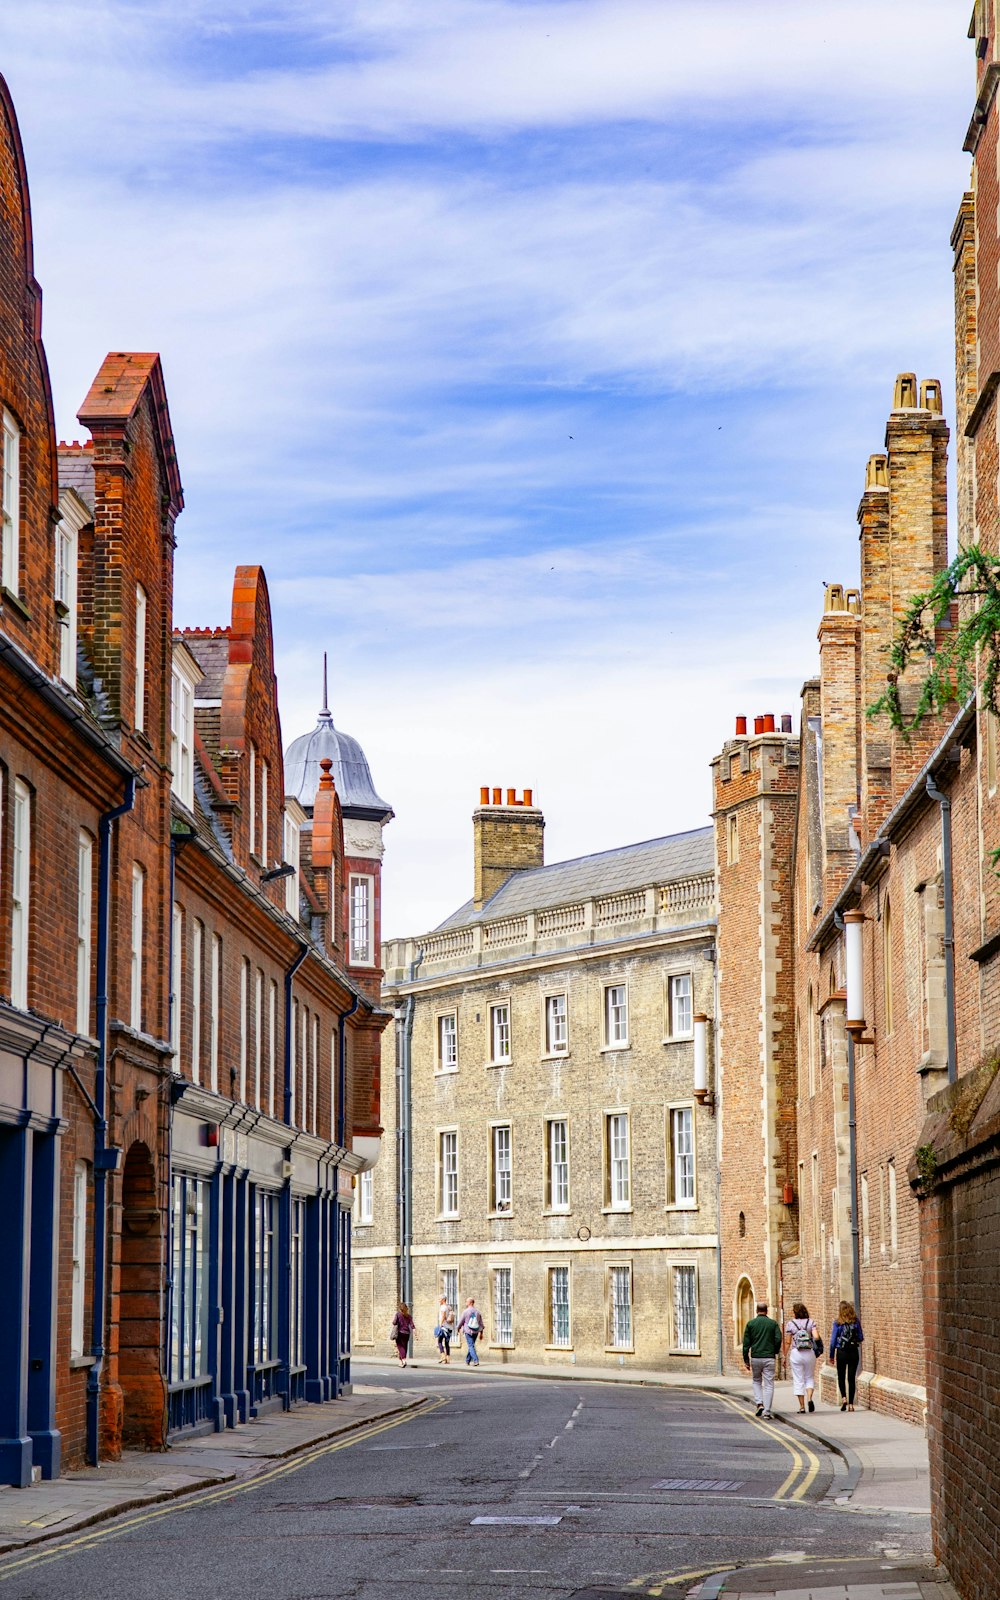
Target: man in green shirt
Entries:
(761, 1343)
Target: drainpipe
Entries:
(105, 1160)
(342, 1069)
(406, 1143)
(949, 923)
(852, 1131)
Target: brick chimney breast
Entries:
(507, 838)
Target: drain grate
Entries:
(702, 1485)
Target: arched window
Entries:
(746, 1307)
(887, 966)
(743, 1225)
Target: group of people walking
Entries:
(446, 1328)
(801, 1344)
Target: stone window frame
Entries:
(494, 1342)
(670, 1112)
(440, 1214)
(549, 995)
(608, 1042)
(549, 1209)
(732, 838)
(612, 1206)
(671, 1035)
(493, 1059)
(550, 1267)
(689, 1263)
(495, 1208)
(618, 1264)
(441, 1069)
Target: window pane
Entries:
(360, 920)
(501, 1169)
(620, 1290)
(500, 1016)
(685, 1309)
(447, 1042)
(555, 1023)
(618, 1159)
(682, 1128)
(680, 1003)
(449, 1174)
(558, 1166)
(616, 1015)
(559, 1306)
(503, 1306)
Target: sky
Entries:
(534, 347)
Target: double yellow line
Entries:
(805, 1461)
(195, 1501)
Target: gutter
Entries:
(105, 1159)
(915, 795)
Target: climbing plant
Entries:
(972, 575)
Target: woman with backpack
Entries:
(403, 1326)
(471, 1324)
(801, 1334)
(845, 1352)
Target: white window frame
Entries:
(557, 1192)
(244, 1028)
(616, 1018)
(502, 1308)
(20, 917)
(67, 540)
(10, 505)
(620, 1311)
(501, 1169)
(361, 919)
(182, 687)
(552, 1268)
(732, 838)
(253, 797)
(84, 928)
(498, 1029)
(555, 1024)
(214, 1003)
(79, 1271)
(290, 832)
(683, 1342)
(680, 1016)
(366, 1198)
(197, 982)
(137, 928)
(682, 1158)
(447, 1041)
(263, 813)
(617, 1161)
(176, 976)
(448, 1175)
(139, 678)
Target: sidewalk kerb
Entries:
(235, 1478)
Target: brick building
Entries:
(189, 1017)
(554, 1161)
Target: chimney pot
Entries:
(484, 797)
(758, 724)
(930, 395)
(905, 397)
(512, 797)
(786, 722)
(496, 797)
(529, 797)
(741, 727)
(769, 722)
(875, 473)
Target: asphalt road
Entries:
(502, 1487)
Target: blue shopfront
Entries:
(33, 1059)
(257, 1289)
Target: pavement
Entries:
(52, 1509)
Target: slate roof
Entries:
(351, 773)
(679, 855)
(76, 471)
(210, 649)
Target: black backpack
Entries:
(848, 1336)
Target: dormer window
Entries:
(10, 506)
(184, 678)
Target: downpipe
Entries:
(105, 1160)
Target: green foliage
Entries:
(927, 1164)
(973, 575)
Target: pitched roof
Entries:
(678, 855)
(76, 470)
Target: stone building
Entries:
(554, 1161)
(189, 981)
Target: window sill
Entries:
(504, 1061)
(678, 1038)
(499, 1216)
(496, 1345)
(616, 1211)
(609, 1049)
(77, 1363)
(682, 1205)
(560, 1349)
(15, 602)
(554, 1055)
(619, 1349)
(445, 1072)
(558, 1211)
(674, 1351)
(448, 1216)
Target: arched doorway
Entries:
(139, 1365)
(746, 1307)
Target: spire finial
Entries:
(326, 703)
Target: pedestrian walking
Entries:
(443, 1331)
(471, 1324)
(846, 1340)
(403, 1326)
(801, 1335)
(761, 1343)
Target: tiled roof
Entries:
(679, 855)
(210, 648)
(76, 470)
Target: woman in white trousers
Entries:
(800, 1354)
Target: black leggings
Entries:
(847, 1369)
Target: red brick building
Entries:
(189, 1019)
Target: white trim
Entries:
(10, 504)
(361, 887)
(139, 666)
(84, 928)
(137, 929)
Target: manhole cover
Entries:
(701, 1485)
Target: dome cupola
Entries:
(350, 770)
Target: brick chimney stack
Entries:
(508, 836)
(876, 636)
(839, 637)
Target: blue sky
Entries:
(536, 348)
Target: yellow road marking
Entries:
(805, 1460)
(660, 1580)
(194, 1501)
